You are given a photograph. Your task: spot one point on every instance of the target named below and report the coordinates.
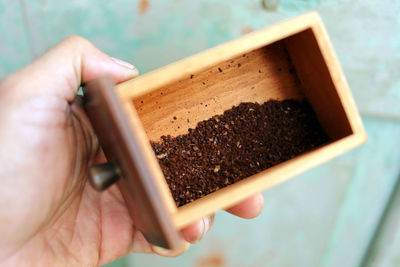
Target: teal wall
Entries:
(343, 213)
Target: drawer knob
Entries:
(102, 176)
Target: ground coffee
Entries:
(245, 140)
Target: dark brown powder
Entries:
(227, 148)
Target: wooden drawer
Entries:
(290, 60)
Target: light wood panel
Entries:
(317, 83)
(264, 74)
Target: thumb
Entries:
(62, 70)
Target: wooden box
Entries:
(254, 68)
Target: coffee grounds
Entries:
(245, 140)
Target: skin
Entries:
(49, 215)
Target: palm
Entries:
(65, 216)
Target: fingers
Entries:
(249, 208)
(140, 244)
(194, 232)
(169, 253)
(65, 67)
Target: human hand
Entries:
(49, 215)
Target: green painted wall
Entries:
(343, 213)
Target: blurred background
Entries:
(343, 213)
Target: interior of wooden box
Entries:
(292, 68)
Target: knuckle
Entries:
(76, 41)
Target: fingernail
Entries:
(123, 63)
(206, 225)
(161, 251)
(170, 253)
(201, 232)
